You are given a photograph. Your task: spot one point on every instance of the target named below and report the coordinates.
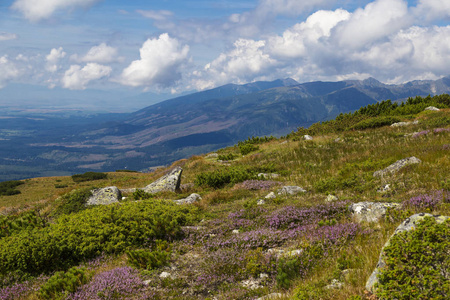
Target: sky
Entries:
(174, 46)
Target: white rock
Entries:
(190, 199)
(307, 137)
(432, 108)
(164, 275)
(291, 190)
(261, 202)
(335, 284)
(331, 198)
(270, 195)
(235, 231)
(370, 211)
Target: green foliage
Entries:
(89, 176)
(375, 122)
(73, 202)
(84, 235)
(60, 285)
(8, 188)
(126, 171)
(13, 224)
(219, 178)
(417, 263)
(150, 259)
(229, 156)
(139, 194)
(60, 186)
(256, 263)
(247, 148)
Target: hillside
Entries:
(192, 124)
(237, 242)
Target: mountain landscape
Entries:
(325, 212)
(40, 143)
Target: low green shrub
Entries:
(150, 259)
(73, 201)
(142, 195)
(229, 156)
(8, 188)
(219, 178)
(417, 263)
(110, 229)
(26, 221)
(89, 176)
(126, 171)
(247, 148)
(60, 285)
(376, 122)
(60, 186)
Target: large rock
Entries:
(400, 124)
(370, 211)
(291, 190)
(432, 108)
(192, 198)
(397, 166)
(407, 225)
(169, 182)
(104, 196)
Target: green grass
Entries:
(343, 168)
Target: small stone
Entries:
(212, 155)
(385, 188)
(147, 282)
(261, 202)
(337, 140)
(432, 108)
(235, 231)
(164, 275)
(263, 275)
(268, 176)
(370, 211)
(271, 195)
(335, 285)
(252, 284)
(284, 143)
(331, 198)
(192, 198)
(307, 137)
(124, 198)
(397, 166)
(291, 190)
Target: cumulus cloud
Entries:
(376, 21)
(36, 10)
(5, 36)
(159, 64)
(76, 78)
(432, 9)
(246, 61)
(53, 59)
(9, 71)
(296, 41)
(99, 54)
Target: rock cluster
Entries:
(370, 211)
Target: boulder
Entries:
(307, 137)
(169, 182)
(291, 190)
(104, 196)
(408, 224)
(192, 198)
(432, 108)
(370, 211)
(397, 166)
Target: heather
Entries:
(237, 242)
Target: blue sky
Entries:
(172, 46)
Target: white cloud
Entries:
(243, 63)
(157, 15)
(9, 71)
(295, 41)
(432, 9)
(99, 54)
(160, 63)
(76, 78)
(5, 36)
(53, 59)
(36, 10)
(376, 21)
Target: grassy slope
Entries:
(321, 166)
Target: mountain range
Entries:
(195, 123)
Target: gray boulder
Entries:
(370, 211)
(104, 196)
(407, 225)
(270, 195)
(291, 190)
(432, 108)
(331, 198)
(169, 182)
(397, 166)
(307, 137)
(401, 124)
(192, 198)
